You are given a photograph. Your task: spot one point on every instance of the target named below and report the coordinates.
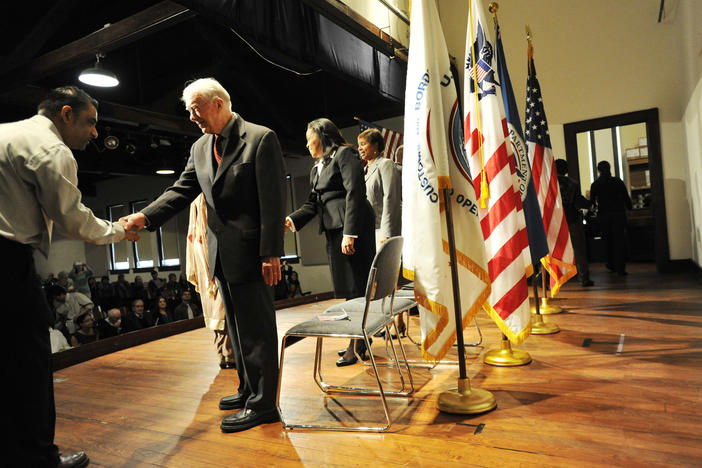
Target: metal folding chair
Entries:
(363, 319)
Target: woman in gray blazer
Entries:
(383, 186)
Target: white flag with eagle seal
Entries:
(434, 160)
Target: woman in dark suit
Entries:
(338, 199)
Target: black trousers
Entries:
(254, 335)
(28, 414)
(613, 227)
(577, 238)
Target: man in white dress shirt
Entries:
(38, 187)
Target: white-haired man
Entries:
(238, 166)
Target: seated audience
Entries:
(79, 275)
(138, 290)
(58, 341)
(68, 306)
(64, 281)
(50, 280)
(85, 330)
(163, 314)
(107, 295)
(111, 325)
(122, 290)
(186, 309)
(294, 285)
(94, 288)
(137, 318)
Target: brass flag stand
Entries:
(506, 356)
(545, 308)
(538, 326)
(464, 399)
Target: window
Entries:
(144, 248)
(168, 244)
(119, 251)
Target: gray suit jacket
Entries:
(384, 192)
(245, 199)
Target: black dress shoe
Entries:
(341, 352)
(230, 402)
(248, 418)
(73, 460)
(346, 362)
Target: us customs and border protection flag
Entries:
(560, 259)
(538, 247)
(430, 164)
(495, 180)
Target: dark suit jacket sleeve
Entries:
(270, 184)
(352, 177)
(308, 210)
(175, 198)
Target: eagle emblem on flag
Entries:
(483, 70)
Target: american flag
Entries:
(393, 139)
(494, 175)
(559, 261)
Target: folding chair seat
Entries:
(374, 312)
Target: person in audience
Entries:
(170, 291)
(122, 290)
(64, 281)
(294, 285)
(85, 330)
(573, 202)
(612, 199)
(137, 318)
(156, 283)
(58, 341)
(338, 199)
(50, 280)
(107, 295)
(94, 289)
(186, 309)
(79, 275)
(162, 315)
(138, 291)
(67, 306)
(111, 325)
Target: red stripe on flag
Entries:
(499, 211)
(551, 198)
(561, 240)
(507, 254)
(512, 299)
(537, 167)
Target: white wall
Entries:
(600, 58)
(693, 149)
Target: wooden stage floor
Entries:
(579, 403)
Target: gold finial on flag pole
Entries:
(530, 46)
(493, 7)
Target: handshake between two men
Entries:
(135, 222)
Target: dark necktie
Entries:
(218, 149)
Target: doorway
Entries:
(631, 143)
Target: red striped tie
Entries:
(217, 154)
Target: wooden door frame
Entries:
(655, 164)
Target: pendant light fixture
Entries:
(98, 76)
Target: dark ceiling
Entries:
(44, 44)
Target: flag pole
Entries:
(464, 399)
(538, 326)
(546, 308)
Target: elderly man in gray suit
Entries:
(238, 166)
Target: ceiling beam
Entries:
(26, 99)
(148, 21)
(359, 26)
(42, 31)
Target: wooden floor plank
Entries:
(580, 403)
